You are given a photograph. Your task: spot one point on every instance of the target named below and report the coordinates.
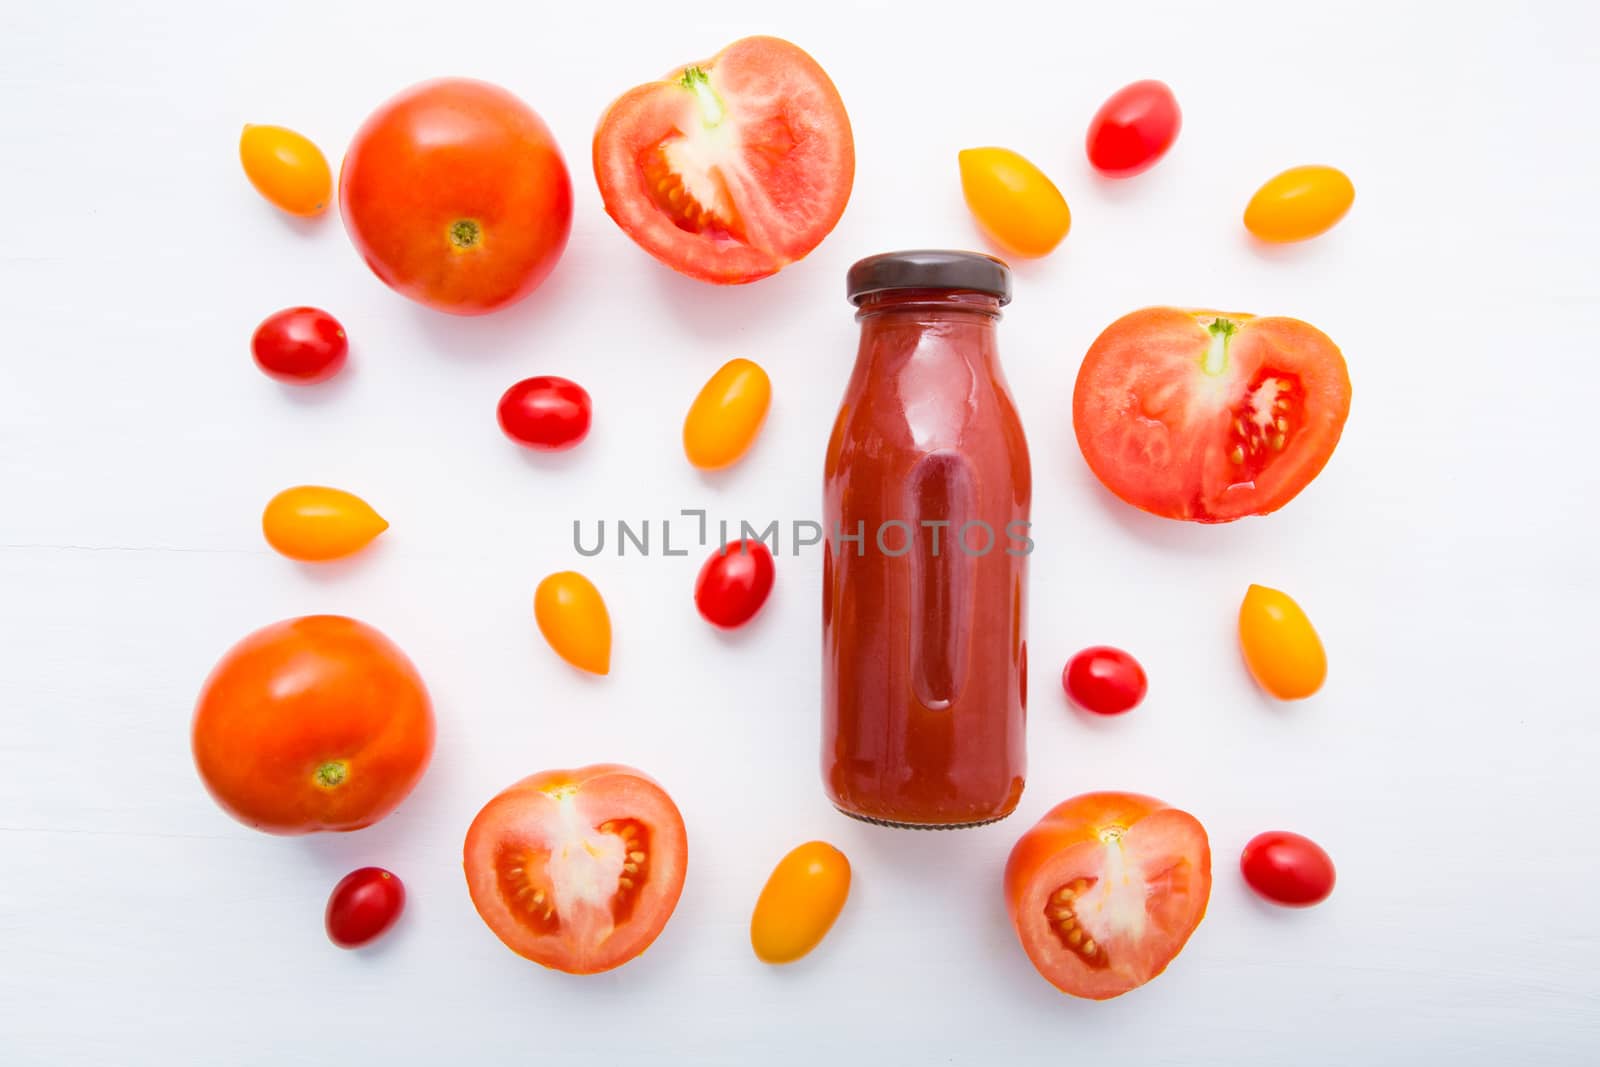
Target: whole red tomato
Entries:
(316, 723)
(1104, 680)
(363, 906)
(1133, 129)
(734, 583)
(1287, 869)
(300, 345)
(456, 195)
(546, 413)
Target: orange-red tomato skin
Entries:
(312, 723)
(457, 196)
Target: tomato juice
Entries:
(923, 616)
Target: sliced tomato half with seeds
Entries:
(1105, 890)
(1207, 415)
(729, 169)
(577, 870)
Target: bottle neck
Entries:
(930, 304)
(926, 328)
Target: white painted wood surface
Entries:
(1447, 553)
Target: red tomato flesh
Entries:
(1133, 129)
(1209, 416)
(1105, 890)
(1287, 869)
(729, 169)
(734, 583)
(577, 870)
(363, 906)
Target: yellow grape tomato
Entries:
(1020, 208)
(1280, 646)
(799, 903)
(572, 617)
(314, 523)
(727, 415)
(287, 169)
(1300, 203)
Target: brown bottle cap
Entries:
(928, 268)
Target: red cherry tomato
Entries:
(1104, 680)
(300, 345)
(363, 906)
(1133, 129)
(547, 413)
(734, 583)
(1287, 869)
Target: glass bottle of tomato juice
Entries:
(926, 495)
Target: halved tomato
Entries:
(730, 169)
(1207, 415)
(578, 870)
(1105, 890)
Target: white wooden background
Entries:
(1447, 553)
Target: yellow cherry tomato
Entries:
(286, 168)
(1280, 647)
(315, 523)
(1013, 200)
(799, 903)
(1299, 203)
(573, 618)
(724, 419)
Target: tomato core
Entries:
(711, 107)
(681, 174)
(672, 196)
(584, 866)
(1115, 905)
(1215, 360)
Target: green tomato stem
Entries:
(697, 81)
(1215, 361)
